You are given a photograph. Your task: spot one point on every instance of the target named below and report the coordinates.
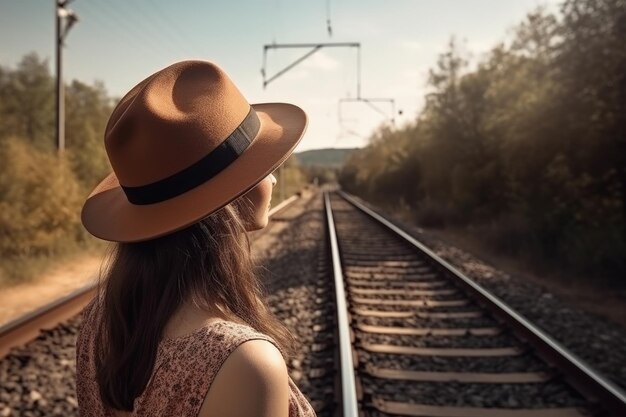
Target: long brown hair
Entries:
(208, 263)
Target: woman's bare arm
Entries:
(252, 382)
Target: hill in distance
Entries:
(329, 157)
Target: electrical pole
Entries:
(60, 108)
(65, 19)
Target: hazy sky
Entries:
(121, 42)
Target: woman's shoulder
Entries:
(258, 360)
(223, 332)
(257, 368)
(216, 342)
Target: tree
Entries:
(529, 147)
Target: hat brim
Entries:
(108, 215)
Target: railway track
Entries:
(414, 345)
(418, 338)
(22, 330)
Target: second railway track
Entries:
(429, 342)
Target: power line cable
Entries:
(143, 25)
(174, 28)
(152, 25)
(278, 19)
(139, 41)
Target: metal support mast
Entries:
(314, 48)
(65, 19)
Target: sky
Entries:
(121, 42)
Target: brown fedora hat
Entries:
(184, 143)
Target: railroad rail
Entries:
(409, 309)
(26, 328)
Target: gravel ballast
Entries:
(39, 379)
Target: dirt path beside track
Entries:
(60, 280)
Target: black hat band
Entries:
(201, 171)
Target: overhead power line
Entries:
(135, 39)
(328, 24)
(370, 103)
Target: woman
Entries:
(178, 327)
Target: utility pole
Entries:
(65, 19)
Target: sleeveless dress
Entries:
(183, 372)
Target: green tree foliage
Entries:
(40, 201)
(41, 192)
(27, 102)
(291, 180)
(529, 147)
(87, 110)
(316, 174)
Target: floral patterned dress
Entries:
(183, 372)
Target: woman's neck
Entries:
(190, 317)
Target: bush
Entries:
(430, 213)
(40, 201)
(292, 180)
